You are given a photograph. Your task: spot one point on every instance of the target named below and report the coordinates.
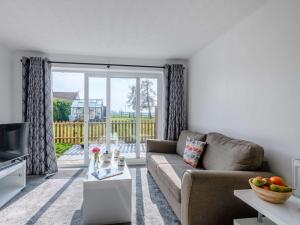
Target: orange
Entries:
(277, 180)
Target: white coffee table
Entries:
(280, 214)
(107, 201)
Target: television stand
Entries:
(12, 181)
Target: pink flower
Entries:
(96, 150)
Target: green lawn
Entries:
(61, 148)
(132, 119)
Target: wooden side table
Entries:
(268, 213)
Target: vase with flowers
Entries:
(96, 151)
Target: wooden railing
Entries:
(121, 131)
(68, 132)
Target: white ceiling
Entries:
(118, 28)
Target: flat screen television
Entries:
(13, 143)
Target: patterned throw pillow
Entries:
(193, 151)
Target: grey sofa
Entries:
(204, 195)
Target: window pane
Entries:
(68, 90)
(148, 107)
(97, 112)
(123, 116)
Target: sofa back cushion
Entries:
(182, 140)
(225, 153)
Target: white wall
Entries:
(17, 70)
(246, 84)
(5, 85)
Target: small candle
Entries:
(121, 160)
(117, 153)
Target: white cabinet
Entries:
(12, 181)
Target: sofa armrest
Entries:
(207, 196)
(161, 146)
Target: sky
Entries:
(73, 82)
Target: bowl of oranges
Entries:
(271, 189)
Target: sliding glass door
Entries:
(123, 116)
(95, 116)
(68, 124)
(121, 112)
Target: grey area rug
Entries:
(58, 201)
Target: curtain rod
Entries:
(108, 65)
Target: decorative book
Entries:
(105, 173)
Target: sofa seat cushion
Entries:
(160, 158)
(182, 140)
(225, 153)
(171, 176)
(155, 159)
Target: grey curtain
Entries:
(37, 109)
(175, 112)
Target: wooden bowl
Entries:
(270, 196)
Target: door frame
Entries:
(108, 75)
(117, 73)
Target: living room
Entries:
(149, 112)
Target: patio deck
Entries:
(75, 155)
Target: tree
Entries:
(131, 97)
(61, 109)
(147, 97)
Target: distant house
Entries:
(96, 110)
(66, 95)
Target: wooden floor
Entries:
(75, 155)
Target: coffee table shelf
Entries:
(253, 221)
